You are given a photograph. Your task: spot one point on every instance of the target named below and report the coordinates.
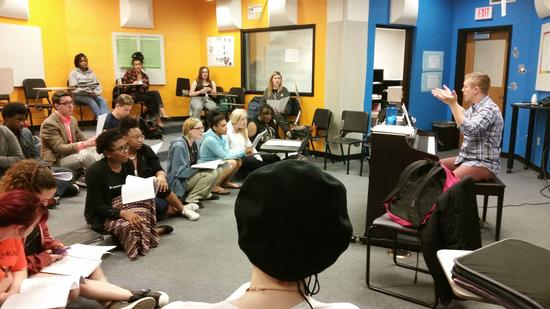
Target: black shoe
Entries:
(160, 297)
(72, 190)
(164, 229)
(212, 197)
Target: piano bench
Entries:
(493, 187)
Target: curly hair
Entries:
(28, 175)
(128, 123)
(106, 140)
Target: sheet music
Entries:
(138, 189)
(100, 123)
(394, 129)
(210, 165)
(283, 142)
(70, 265)
(278, 105)
(42, 292)
(156, 147)
(258, 138)
(88, 252)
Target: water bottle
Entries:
(391, 115)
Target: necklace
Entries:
(251, 289)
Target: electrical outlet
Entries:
(538, 141)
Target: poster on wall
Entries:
(431, 80)
(432, 61)
(221, 51)
(543, 70)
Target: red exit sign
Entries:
(485, 12)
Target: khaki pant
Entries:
(83, 159)
(199, 186)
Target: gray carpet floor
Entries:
(201, 260)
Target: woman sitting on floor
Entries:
(183, 153)
(41, 249)
(145, 163)
(237, 134)
(264, 121)
(215, 146)
(133, 224)
(20, 212)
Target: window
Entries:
(289, 50)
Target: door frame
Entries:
(407, 63)
(461, 59)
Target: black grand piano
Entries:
(390, 154)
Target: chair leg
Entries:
(342, 152)
(80, 109)
(485, 202)
(347, 159)
(499, 215)
(362, 158)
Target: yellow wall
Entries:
(73, 26)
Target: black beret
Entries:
(292, 219)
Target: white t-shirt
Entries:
(238, 142)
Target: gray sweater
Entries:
(84, 81)
(10, 152)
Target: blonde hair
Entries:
(479, 79)
(270, 83)
(236, 115)
(189, 124)
(124, 99)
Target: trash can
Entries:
(446, 133)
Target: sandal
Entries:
(221, 192)
(231, 185)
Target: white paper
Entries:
(100, 124)
(69, 265)
(42, 292)
(156, 147)
(138, 189)
(278, 105)
(291, 55)
(210, 165)
(88, 251)
(65, 176)
(258, 138)
(283, 142)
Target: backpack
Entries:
(254, 107)
(412, 201)
(149, 129)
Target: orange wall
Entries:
(73, 26)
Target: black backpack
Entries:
(412, 201)
(254, 106)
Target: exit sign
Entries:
(485, 12)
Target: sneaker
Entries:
(192, 206)
(139, 303)
(160, 298)
(81, 181)
(72, 190)
(189, 213)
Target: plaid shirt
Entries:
(482, 129)
(129, 78)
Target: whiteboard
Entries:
(22, 51)
(151, 45)
(543, 66)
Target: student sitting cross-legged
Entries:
(189, 184)
(145, 163)
(41, 248)
(133, 224)
(215, 146)
(289, 235)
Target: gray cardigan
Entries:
(10, 151)
(179, 166)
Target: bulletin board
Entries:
(22, 51)
(152, 48)
(543, 65)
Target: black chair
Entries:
(33, 98)
(352, 122)
(384, 223)
(493, 187)
(182, 87)
(322, 120)
(5, 97)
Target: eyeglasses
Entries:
(199, 128)
(71, 102)
(204, 72)
(121, 148)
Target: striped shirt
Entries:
(482, 129)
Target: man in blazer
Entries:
(63, 144)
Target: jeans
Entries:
(97, 104)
